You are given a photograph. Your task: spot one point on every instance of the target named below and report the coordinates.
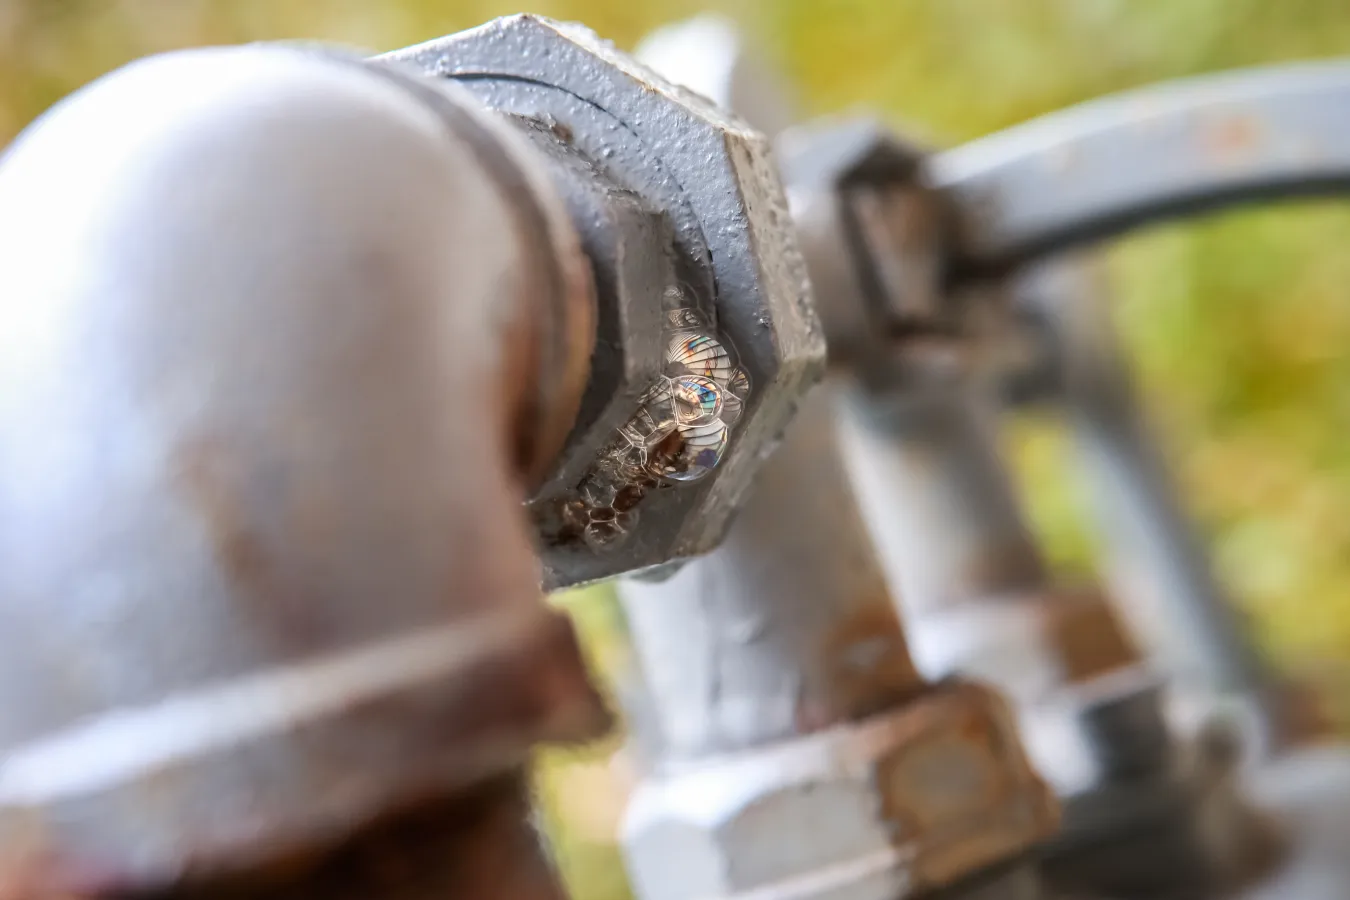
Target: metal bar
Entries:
(1160, 152)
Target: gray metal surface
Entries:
(259, 514)
(787, 627)
(939, 501)
(733, 248)
(710, 55)
(1163, 151)
(1307, 792)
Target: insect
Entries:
(699, 354)
(679, 433)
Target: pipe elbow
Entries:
(272, 322)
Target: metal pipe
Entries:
(1154, 558)
(940, 502)
(780, 698)
(1168, 150)
(977, 595)
(778, 692)
(285, 341)
(979, 602)
(785, 629)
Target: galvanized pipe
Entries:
(1153, 555)
(982, 604)
(939, 500)
(977, 595)
(285, 341)
(787, 628)
(776, 692)
(780, 698)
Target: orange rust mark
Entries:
(1232, 138)
(1087, 634)
(202, 473)
(869, 661)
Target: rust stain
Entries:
(202, 473)
(1087, 634)
(960, 789)
(868, 661)
(33, 865)
(1009, 568)
(215, 483)
(1232, 139)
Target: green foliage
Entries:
(1238, 324)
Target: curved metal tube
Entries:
(1164, 151)
(271, 327)
(1155, 557)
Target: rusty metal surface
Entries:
(481, 844)
(732, 245)
(785, 630)
(888, 807)
(266, 577)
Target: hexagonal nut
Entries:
(733, 256)
(872, 233)
(711, 55)
(887, 808)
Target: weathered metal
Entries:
(734, 265)
(790, 748)
(873, 238)
(978, 599)
(480, 844)
(266, 578)
(927, 795)
(265, 447)
(1168, 150)
(786, 628)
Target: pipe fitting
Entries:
(709, 350)
(274, 323)
(891, 806)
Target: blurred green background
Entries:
(1238, 324)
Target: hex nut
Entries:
(732, 250)
(887, 808)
